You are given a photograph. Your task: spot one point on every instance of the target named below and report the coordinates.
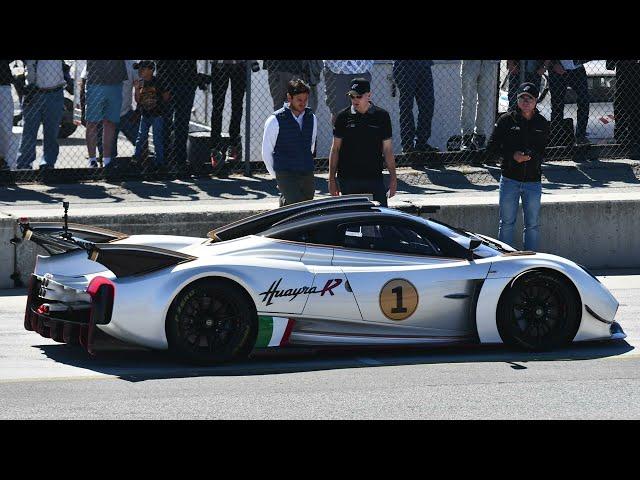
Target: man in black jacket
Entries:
(520, 138)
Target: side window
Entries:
(318, 236)
(387, 238)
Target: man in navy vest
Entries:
(288, 144)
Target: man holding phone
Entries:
(361, 141)
(520, 138)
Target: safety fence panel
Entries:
(67, 120)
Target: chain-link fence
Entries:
(94, 119)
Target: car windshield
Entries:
(488, 248)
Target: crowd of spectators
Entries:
(110, 90)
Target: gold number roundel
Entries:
(398, 299)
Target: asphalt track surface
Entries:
(41, 379)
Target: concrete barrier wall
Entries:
(597, 234)
(7, 251)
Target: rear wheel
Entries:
(540, 311)
(211, 321)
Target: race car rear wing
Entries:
(61, 237)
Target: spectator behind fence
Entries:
(312, 71)
(564, 73)
(280, 73)
(151, 97)
(288, 143)
(361, 140)
(42, 103)
(533, 70)
(338, 76)
(129, 122)
(180, 78)
(479, 84)
(223, 73)
(103, 104)
(415, 82)
(6, 112)
(520, 138)
(626, 104)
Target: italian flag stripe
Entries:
(270, 331)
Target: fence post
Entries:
(523, 66)
(247, 122)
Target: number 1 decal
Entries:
(398, 299)
(399, 308)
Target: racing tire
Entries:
(540, 311)
(211, 321)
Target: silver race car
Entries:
(333, 272)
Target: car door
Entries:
(330, 295)
(399, 276)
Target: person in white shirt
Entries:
(337, 80)
(288, 144)
(43, 103)
(478, 82)
(563, 74)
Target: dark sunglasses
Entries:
(527, 98)
(355, 96)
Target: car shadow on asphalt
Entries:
(138, 365)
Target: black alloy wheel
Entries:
(211, 321)
(539, 312)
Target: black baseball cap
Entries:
(145, 64)
(359, 86)
(528, 88)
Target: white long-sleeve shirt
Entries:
(270, 137)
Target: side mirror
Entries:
(473, 244)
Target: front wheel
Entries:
(540, 311)
(211, 321)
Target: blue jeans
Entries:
(415, 81)
(510, 193)
(46, 108)
(158, 139)
(177, 115)
(129, 125)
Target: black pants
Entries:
(577, 80)
(177, 115)
(373, 186)
(222, 75)
(626, 104)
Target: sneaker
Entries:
(217, 159)
(3, 164)
(478, 141)
(93, 163)
(467, 143)
(234, 153)
(45, 166)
